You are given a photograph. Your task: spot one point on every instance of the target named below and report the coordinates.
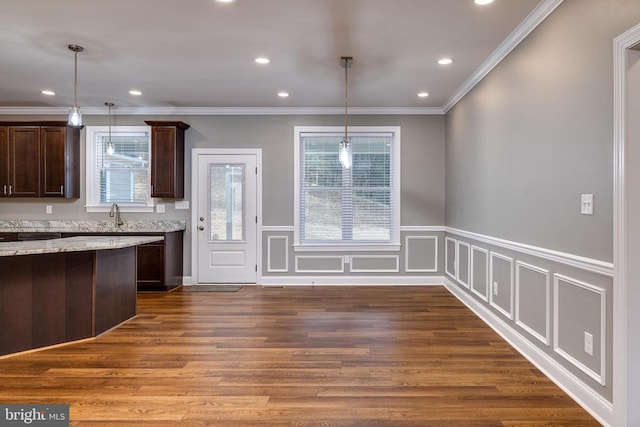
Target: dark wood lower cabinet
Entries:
(160, 264)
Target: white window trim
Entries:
(91, 205)
(394, 245)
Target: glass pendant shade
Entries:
(345, 154)
(75, 117)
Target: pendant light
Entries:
(75, 116)
(110, 149)
(345, 144)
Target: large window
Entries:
(118, 168)
(336, 206)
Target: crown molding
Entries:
(226, 111)
(535, 18)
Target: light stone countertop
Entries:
(59, 226)
(74, 244)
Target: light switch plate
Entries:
(182, 204)
(586, 204)
(160, 208)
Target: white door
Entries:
(226, 214)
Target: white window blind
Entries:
(118, 166)
(339, 205)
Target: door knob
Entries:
(201, 228)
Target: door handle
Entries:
(201, 228)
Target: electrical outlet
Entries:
(160, 208)
(48, 209)
(588, 343)
(495, 289)
(181, 204)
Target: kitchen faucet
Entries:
(115, 214)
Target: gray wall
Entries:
(537, 132)
(422, 163)
(521, 147)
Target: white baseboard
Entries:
(596, 405)
(350, 280)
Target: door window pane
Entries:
(226, 202)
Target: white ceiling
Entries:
(200, 53)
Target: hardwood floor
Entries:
(327, 356)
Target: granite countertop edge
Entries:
(69, 226)
(73, 244)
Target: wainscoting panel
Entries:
(278, 254)
(450, 257)
(501, 283)
(533, 300)
(572, 300)
(319, 264)
(480, 272)
(463, 264)
(375, 263)
(421, 254)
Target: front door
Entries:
(226, 218)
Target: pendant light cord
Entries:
(75, 78)
(346, 96)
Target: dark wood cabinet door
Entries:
(24, 155)
(4, 161)
(151, 265)
(167, 159)
(163, 161)
(53, 161)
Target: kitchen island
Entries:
(68, 289)
(159, 264)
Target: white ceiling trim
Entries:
(230, 111)
(535, 18)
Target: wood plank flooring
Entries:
(323, 356)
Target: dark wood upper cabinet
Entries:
(39, 159)
(167, 159)
(59, 153)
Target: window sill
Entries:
(348, 248)
(123, 208)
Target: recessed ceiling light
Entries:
(283, 94)
(445, 61)
(482, 2)
(423, 94)
(262, 60)
(225, 1)
(47, 92)
(135, 92)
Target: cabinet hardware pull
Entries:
(5, 189)
(10, 189)
(201, 228)
(62, 190)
